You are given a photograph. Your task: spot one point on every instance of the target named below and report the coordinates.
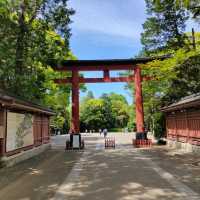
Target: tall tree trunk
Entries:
(19, 62)
(20, 48)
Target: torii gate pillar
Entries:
(139, 102)
(75, 102)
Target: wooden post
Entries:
(193, 39)
(139, 101)
(75, 102)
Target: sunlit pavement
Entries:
(97, 174)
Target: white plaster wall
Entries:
(183, 146)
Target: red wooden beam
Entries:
(96, 80)
(101, 65)
(95, 68)
(102, 80)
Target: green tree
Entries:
(119, 109)
(89, 96)
(57, 96)
(164, 28)
(32, 33)
(191, 5)
(109, 111)
(174, 77)
(92, 115)
(29, 41)
(108, 114)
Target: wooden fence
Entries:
(40, 130)
(184, 126)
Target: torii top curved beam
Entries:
(101, 65)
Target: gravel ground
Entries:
(97, 174)
(184, 166)
(38, 177)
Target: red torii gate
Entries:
(106, 66)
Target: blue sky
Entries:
(107, 29)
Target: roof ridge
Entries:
(189, 96)
(22, 100)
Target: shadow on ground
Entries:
(120, 174)
(184, 166)
(37, 178)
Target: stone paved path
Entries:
(95, 174)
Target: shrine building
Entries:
(183, 123)
(24, 129)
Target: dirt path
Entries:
(97, 174)
(37, 178)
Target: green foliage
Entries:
(131, 122)
(88, 97)
(191, 5)
(164, 28)
(109, 111)
(178, 3)
(116, 130)
(158, 125)
(119, 109)
(29, 41)
(92, 114)
(33, 32)
(172, 78)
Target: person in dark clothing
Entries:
(105, 132)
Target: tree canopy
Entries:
(173, 78)
(164, 28)
(109, 111)
(32, 32)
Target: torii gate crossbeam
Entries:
(106, 66)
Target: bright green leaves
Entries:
(178, 3)
(33, 32)
(109, 111)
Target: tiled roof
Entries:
(186, 102)
(11, 101)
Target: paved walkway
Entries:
(95, 174)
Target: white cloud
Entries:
(110, 17)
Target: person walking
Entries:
(100, 131)
(105, 132)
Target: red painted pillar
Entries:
(139, 101)
(106, 75)
(75, 102)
